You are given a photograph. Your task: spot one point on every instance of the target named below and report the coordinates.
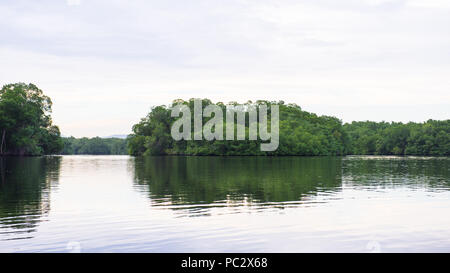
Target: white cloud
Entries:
(112, 60)
(430, 3)
(73, 2)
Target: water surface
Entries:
(224, 204)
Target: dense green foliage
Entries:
(301, 133)
(25, 122)
(372, 138)
(94, 146)
(26, 129)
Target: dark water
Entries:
(224, 204)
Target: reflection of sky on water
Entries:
(124, 204)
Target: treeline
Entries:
(25, 122)
(94, 146)
(300, 133)
(26, 129)
(396, 138)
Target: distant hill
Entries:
(116, 136)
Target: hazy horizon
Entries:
(106, 63)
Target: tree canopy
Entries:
(301, 133)
(396, 138)
(94, 146)
(25, 122)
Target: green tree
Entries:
(301, 133)
(94, 146)
(25, 122)
(431, 138)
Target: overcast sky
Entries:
(105, 63)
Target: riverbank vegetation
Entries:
(26, 129)
(94, 146)
(396, 138)
(301, 133)
(25, 122)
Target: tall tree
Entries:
(25, 122)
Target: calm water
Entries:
(224, 204)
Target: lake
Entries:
(224, 204)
